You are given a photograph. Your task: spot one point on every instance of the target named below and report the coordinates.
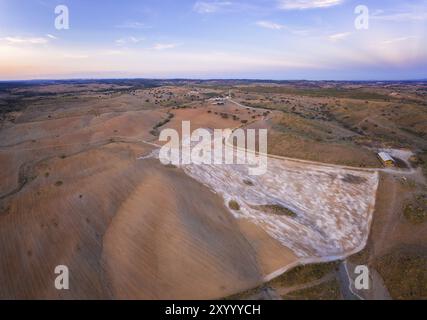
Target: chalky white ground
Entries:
(333, 205)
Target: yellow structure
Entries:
(386, 159)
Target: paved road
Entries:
(345, 284)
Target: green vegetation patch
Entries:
(329, 290)
(404, 272)
(420, 160)
(155, 131)
(234, 205)
(211, 94)
(277, 209)
(319, 92)
(305, 273)
(416, 211)
(298, 276)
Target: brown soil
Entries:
(72, 192)
(396, 246)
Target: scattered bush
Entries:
(277, 210)
(248, 182)
(416, 212)
(234, 205)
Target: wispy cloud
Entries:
(204, 7)
(51, 36)
(307, 4)
(277, 26)
(26, 40)
(400, 39)
(113, 52)
(399, 16)
(76, 56)
(269, 25)
(339, 36)
(128, 40)
(133, 25)
(164, 46)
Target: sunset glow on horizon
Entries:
(264, 39)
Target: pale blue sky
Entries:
(264, 39)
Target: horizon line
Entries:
(210, 79)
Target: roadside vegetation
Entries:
(305, 274)
(404, 272)
(158, 125)
(300, 275)
(329, 290)
(416, 211)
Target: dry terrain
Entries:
(80, 186)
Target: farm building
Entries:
(386, 159)
(218, 101)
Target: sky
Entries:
(262, 39)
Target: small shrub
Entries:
(277, 210)
(234, 205)
(248, 182)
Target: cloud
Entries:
(76, 56)
(164, 46)
(276, 26)
(269, 25)
(50, 36)
(203, 7)
(132, 25)
(400, 39)
(339, 36)
(113, 52)
(400, 16)
(24, 40)
(307, 4)
(128, 40)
